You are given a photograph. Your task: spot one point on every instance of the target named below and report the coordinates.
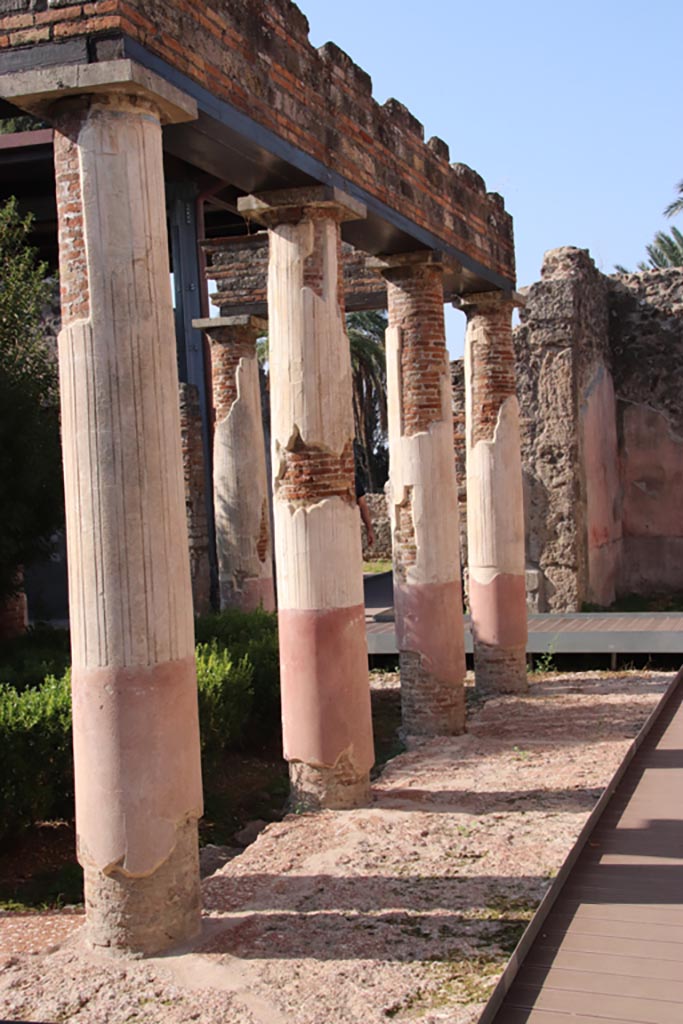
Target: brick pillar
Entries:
(424, 501)
(14, 610)
(136, 737)
(495, 514)
(195, 500)
(240, 483)
(323, 654)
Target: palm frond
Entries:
(677, 205)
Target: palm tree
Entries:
(369, 382)
(677, 205)
(369, 379)
(665, 251)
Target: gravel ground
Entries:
(406, 910)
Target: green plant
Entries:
(36, 768)
(31, 501)
(250, 635)
(544, 663)
(225, 698)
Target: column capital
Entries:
(224, 328)
(402, 264)
(290, 205)
(483, 302)
(38, 90)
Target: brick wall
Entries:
(13, 616)
(258, 58)
(493, 369)
(460, 455)
(239, 268)
(415, 301)
(225, 359)
(73, 265)
(195, 498)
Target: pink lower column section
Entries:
(432, 657)
(326, 717)
(136, 753)
(499, 632)
(258, 594)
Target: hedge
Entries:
(238, 685)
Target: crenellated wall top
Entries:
(258, 58)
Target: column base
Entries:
(314, 788)
(430, 706)
(147, 915)
(499, 669)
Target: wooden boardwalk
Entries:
(579, 633)
(607, 943)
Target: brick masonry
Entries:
(73, 266)
(14, 615)
(493, 365)
(258, 58)
(416, 307)
(310, 473)
(460, 456)
(195, 497)
(239, 268)
(225, 359)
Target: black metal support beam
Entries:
(181, 203)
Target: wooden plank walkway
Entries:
(576, 633)
(610, 948)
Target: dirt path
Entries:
(406, 910)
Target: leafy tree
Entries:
(31, 502)
(20, 123)
(369, 378)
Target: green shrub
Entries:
(225, 699)
(36, 767)
(252, 635)
(238, 687)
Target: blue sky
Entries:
(572, 111)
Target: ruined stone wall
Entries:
(646, 337)
(602, 432)
(258, 58)
(195, 497)
(381, 523)
(563, 373)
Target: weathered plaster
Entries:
(652, 481)
(244, 552)
(136, 737)
(496, 524)
(423, 502)
(327, 729)
(495, 507)
(602, 487)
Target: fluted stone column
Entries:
(240, 484)
(495, 514)
(323, 654)
(136, 737)
(423, 500)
